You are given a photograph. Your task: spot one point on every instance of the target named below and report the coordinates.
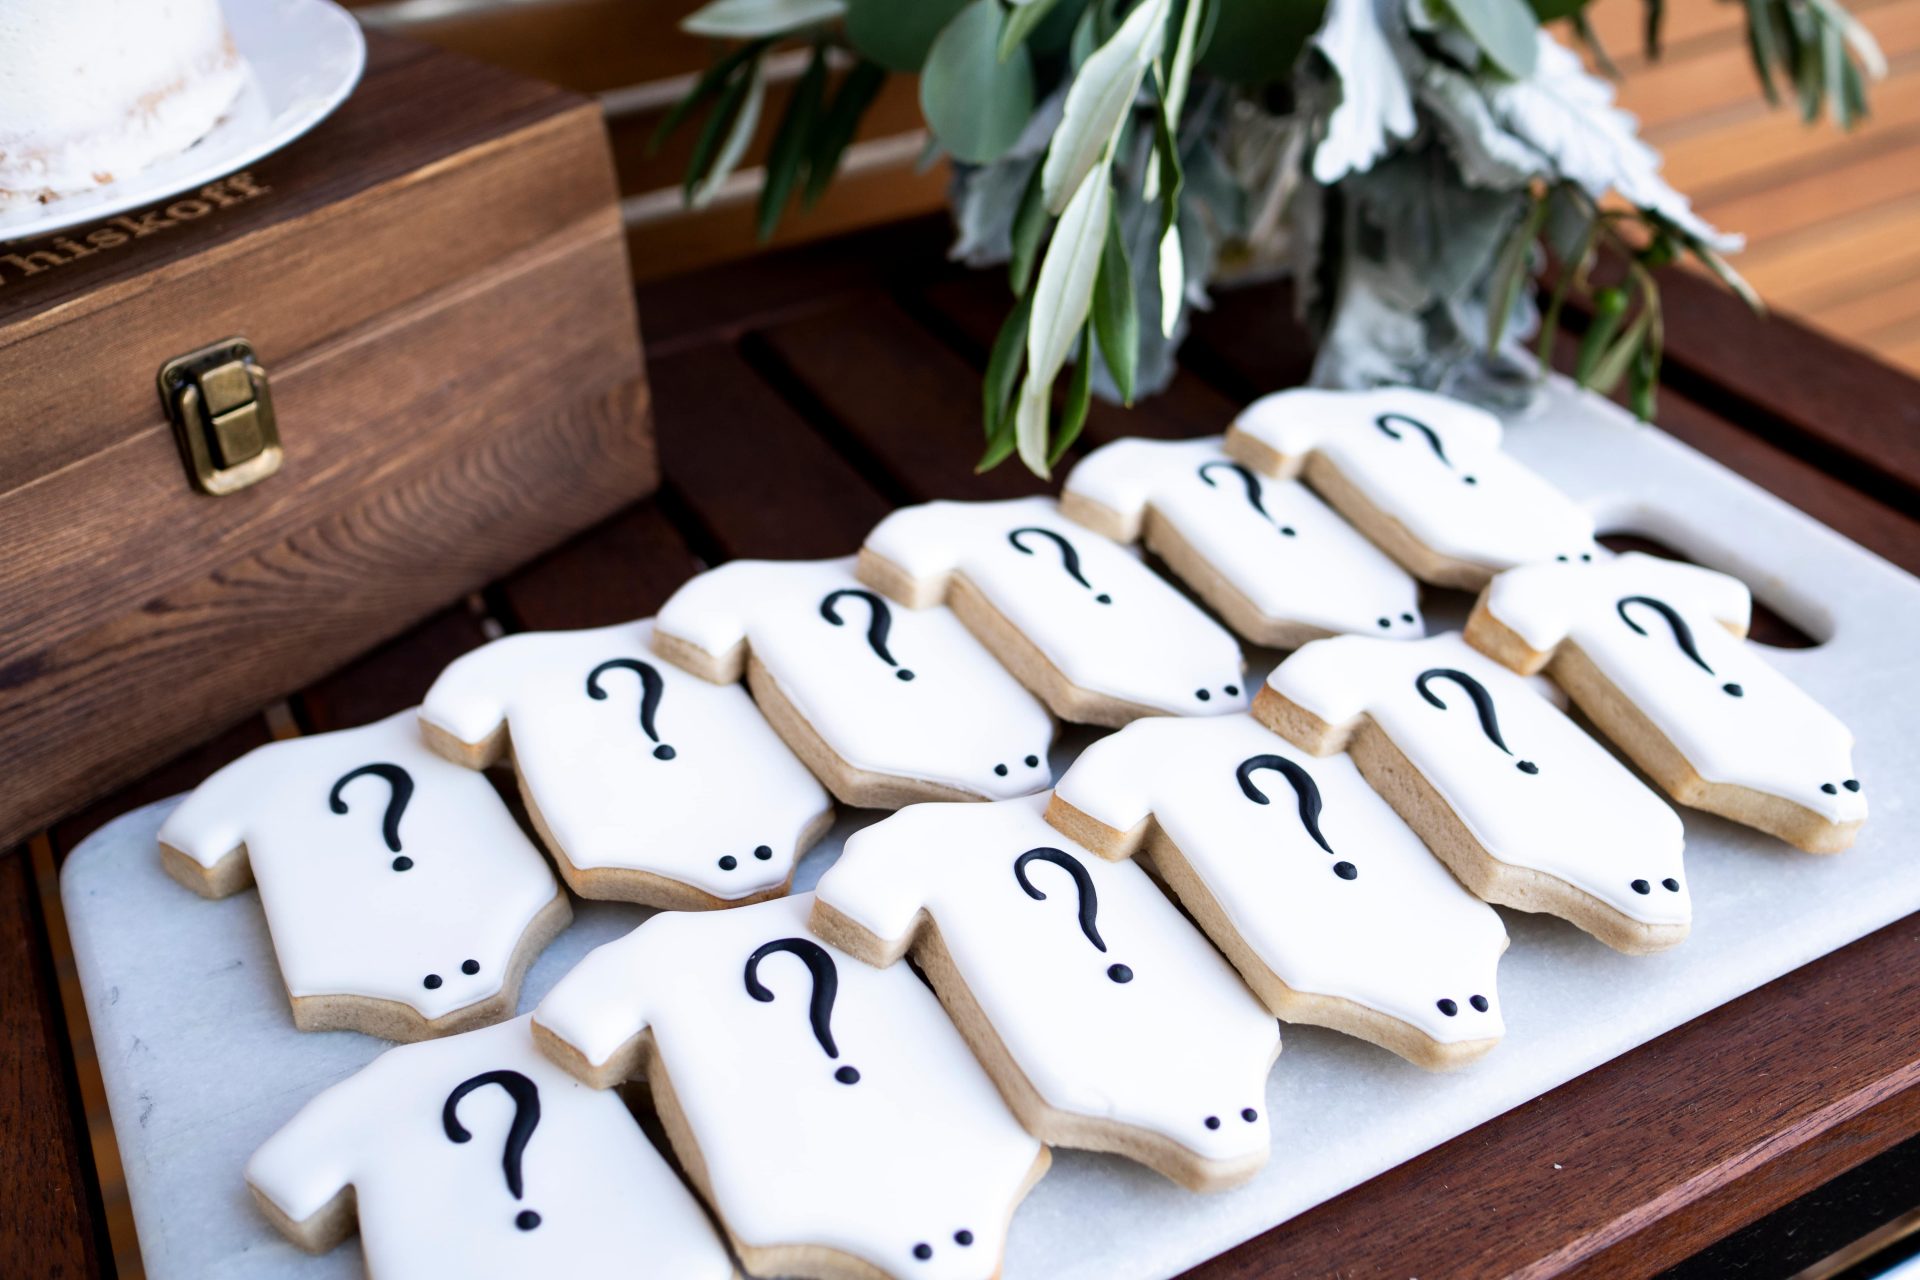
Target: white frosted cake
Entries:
(96, 90)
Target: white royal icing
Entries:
(903, 692)
(1770, 737)
(1475, 503)
(1117, 629)
(1580, 814)
(591, 1187)
(1400, 936)
(729, 790)
(916, 1150)
(1148, 1027)
(1277, 544)
(344, 921)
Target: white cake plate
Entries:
(201, 1061)
(303, 58)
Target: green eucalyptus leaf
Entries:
(1079, 400)
(837, 128)
(1100, 100)
(1029, 223)
(745, 19)
(1064, 290)
(1510, 271)
(1506, 31)
(898, 34)
(1022, 18)
(1609, 309)
(1555, 10)
(1612, 366)
(710, 83)
(1003, 367)
(1115, 321)
(975, 103)
(1030, 423)
(1173, 278)
(717, 134)
(789, 150)
(999, 446)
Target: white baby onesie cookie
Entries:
(1265, 554)
(1107, 1020)
(648, 784)
(1421, 474)
(402, 898)
(1525, 808)
(1653, 652)
(887, 705)
(1329, 904)
(1079, 619)
(828, 1110)
(475, 1157)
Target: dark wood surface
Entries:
(800, 397)
(454, 393)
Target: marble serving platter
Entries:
(201, 1061)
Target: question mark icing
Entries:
(1682, 635)
(1305, 789)
(1069, 558)
(401, 784)
(1385, 422)
(1083, 884)
(1250, 482)
(1482, 703)
(651, 687)
(826, 986)
(879, 623)
(526, 1116)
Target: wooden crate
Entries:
(436, 283)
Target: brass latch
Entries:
(222, 410)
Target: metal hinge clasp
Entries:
(221, 405)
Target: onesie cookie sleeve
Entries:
(1112, 781)
(1118, 479)
(1331, 679)
(709, 611)
(301, 1168)
(912, 553)
(468, 700)
(212, 821)
(879, 882)
(601, 1007)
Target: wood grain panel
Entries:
(50, 1226)
(391, 677)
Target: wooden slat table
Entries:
(799, 397)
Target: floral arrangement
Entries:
(1412, 164)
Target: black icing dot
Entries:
(1202, 694)
(1561, 559)
(431, 982)
(1000, 769)
(1119, 973)
(1104, 598)
(664, 752)
(526, 1220)
(1469, 480)
(1384, 623)
(923, 1251)
(1033, 762)
(1851, 784)
(1213, 1122)
(1446, 1006)
(403, 863)
(1641, 886)
(762, 852)
(728, 862)
(1287, 530)
(1586, 557)
(1406, 617)
(1670, 885)
(963, 1237)
(469, 967)
(1345, 870)
(1231, 690)
(847, 1075)
(1527, 766)
(1249, 1114)
(1733, 690)
(1830, 789)
(903, 674)
(1478, 1002)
